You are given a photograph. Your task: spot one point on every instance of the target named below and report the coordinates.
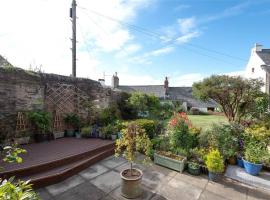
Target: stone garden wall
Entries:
(22, 90)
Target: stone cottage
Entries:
(165, 92)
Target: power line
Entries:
(159, 36)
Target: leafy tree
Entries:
(236, 95)
(146, 105)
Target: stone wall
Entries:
(22, 90)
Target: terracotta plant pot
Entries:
(232, 160)
(131, 185)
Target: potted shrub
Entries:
(133, 140)
(41, 122)
(215, 164)
(86, 132)
(22, 137)
(254, 155)
(194, 168)
(73, 122)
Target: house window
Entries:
(252, 69)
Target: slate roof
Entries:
(157, 90)
(183, 94)
(264, 55)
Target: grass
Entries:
(205, 121)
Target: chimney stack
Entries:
(115, 81)
(166, 85)
(257, 47)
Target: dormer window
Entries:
(252, 69)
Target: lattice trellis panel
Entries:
(22, 123)
(58, 122)
(64, 98)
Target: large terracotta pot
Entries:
(131, 185)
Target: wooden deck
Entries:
(50, 162)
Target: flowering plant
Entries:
(178, 119)
(182, 135)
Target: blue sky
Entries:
(183, 39)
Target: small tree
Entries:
(235, 95)
(133, 140)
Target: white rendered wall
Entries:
(255, 62)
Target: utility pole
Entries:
(73, 16)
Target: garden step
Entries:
(61, 173)
(239, 174)
(62, 160)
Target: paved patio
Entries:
(102, 182)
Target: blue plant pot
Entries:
(213, 176)
(240, 162)
(251, 168)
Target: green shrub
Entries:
(109, 115)
(41, 120)
(222, 137)
(72, 120)
(18, 190)
(148, 125)
(109, 130)
(256, 152)
(214, 161)
(258, 133)
(181, 133)
(86, 131)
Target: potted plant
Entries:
(215, 164)
(133, 140)
(73, 122)
(194, 168)
(22, 137)
(41, 122)
(255, 154)
(86, 132)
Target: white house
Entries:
(259, 66)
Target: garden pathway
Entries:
(102, 182)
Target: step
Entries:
(45, 166)
(237, 173)
(58, 174)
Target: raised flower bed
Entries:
(170, 160)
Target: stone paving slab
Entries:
(102, 182)
(93, 171)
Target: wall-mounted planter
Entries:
(175, 164)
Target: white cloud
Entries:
(187, 37)
(186, 79)
(146, 57)
(186, 24)
(38, 32)
(161, 51)
(235, 73)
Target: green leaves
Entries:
(214, 161)
(21, 190)
(12, 154)
(41, 120)
(237, 96)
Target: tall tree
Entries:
(236, 95)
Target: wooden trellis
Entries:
(58, 122)
(64, 98)
(21, 124)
